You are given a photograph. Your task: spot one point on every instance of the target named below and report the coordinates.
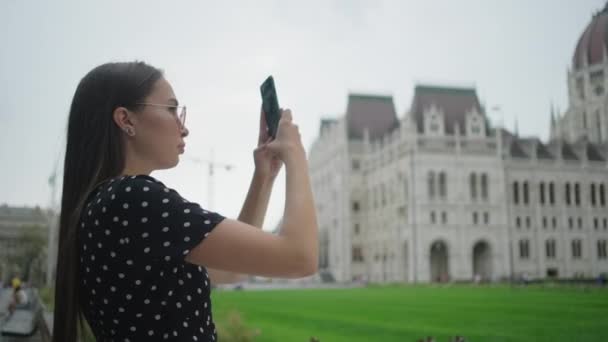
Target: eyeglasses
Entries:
(173, 108)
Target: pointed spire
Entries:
(552, 116)
(516, 127)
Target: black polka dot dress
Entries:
(135, 285)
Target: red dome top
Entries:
(592, 44)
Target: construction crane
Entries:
(212, 164)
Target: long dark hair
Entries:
(94, 152)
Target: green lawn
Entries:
(407, 313)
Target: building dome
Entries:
(591, 46)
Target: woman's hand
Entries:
(267, 164)
(288, 143)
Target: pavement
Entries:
(22, 318)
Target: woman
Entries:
(135, 258)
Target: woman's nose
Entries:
(184, 131)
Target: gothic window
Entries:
(601, 249)
(596, 223)
(431, 184)
(524, 249)
(596, 79)
(473, 185)
(542, 193)
(576, 249)
(598, 123)
(442, 185)
(484, 186)
(550, 249)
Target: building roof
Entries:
(515, 150)
(542, 152)
(374, 113)
(526, 147)
(591, 45)
(594, 154)
(591, 151)
(326, 123)
(454, 102)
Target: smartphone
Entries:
(270, 106)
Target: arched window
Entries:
(550, 249)
(473, 185)
(484, 186)
(442, 185)
(431, 184)
(515, 192)
(524, 249)
(576, 249)
(601, 249)
(542, 193)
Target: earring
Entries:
(130, 132)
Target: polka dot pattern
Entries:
(134, 235)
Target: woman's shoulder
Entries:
(129, 180)
(137, 185)
(125, 185)
(138, 179)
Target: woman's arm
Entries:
(256, 202)
(244, 248)
(253, 213)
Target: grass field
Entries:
(408, 313)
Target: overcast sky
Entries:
(216, 54)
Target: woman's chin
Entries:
(169, 164)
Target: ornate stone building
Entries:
(441, 195)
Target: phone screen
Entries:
(270, 106)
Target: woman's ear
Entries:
(124, 119)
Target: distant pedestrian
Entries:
(19, 298)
